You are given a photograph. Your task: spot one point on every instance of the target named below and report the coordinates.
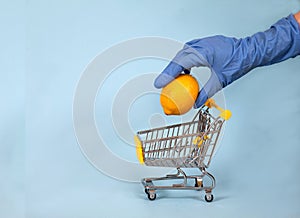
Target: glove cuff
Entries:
(280, 42)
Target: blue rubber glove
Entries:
(231, 58)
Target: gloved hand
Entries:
(231, 58)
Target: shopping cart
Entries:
(186, 145)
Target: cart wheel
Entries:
(146, 191)
(209, 197)
(151, 196)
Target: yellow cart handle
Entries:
(225, 114)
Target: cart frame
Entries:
(186, 145)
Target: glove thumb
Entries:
(211, 87)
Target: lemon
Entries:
(179, 96)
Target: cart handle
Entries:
(225, 114)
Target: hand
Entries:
(231, 58)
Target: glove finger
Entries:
(201, 99)
(186, 58)
(169, 73)
(212, 86)
(190, 57)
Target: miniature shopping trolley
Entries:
(186, 145)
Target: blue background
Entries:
(46, 45)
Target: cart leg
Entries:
(208, 189)
(180, 171)
(176, 174)
(212, 178)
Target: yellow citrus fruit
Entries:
(179, 96)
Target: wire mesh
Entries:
(189, 144)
